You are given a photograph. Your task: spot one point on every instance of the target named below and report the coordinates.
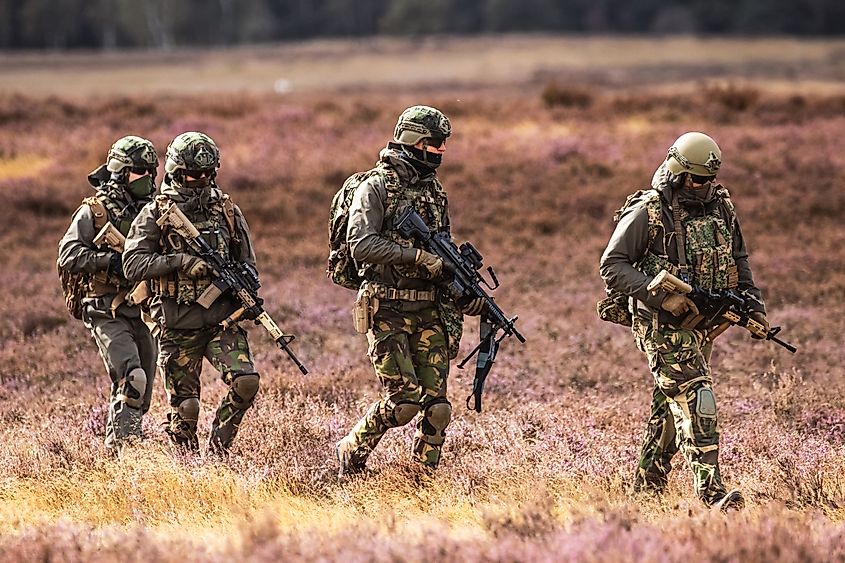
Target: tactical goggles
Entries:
(435, 142)
(205, 173)
(696, 179)
(142, 170)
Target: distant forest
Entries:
(163, 24)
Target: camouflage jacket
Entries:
(633, 253)
(77, 252)
(152, 253)
(386, 257)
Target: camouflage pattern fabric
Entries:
(709, 247)
(180, 359)
(453, 321)
(409, 353)
(125, 343)
(683, 410)
(710, 252)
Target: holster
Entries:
(366, 305)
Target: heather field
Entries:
(534, 174)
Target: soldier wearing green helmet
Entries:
(413, 328)
(685, 224)
(123, 184)
(190, 323)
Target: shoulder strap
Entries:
(98, 210)
(680, 238)
(229, 215)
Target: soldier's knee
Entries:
(189, 411)
(436, 417)
(133, 387)
(705, 403)
(403, 413)
(244, 388)
(439, 414)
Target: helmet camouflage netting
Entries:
(192, 151)
(131, 152)
(420, 122)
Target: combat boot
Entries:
(183, 437)
(733, 500)
(348, 462)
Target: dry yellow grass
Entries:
(25, 166)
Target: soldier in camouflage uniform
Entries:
(408, 342)
(178, 278)
(124, 184)
(686, 207)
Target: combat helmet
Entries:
(695, 153)
(127, 154)
(191, 152)
(421, 122)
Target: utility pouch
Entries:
(140, 293)
(614, 309)
(366, 305)
(209, 296)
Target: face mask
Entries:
(429, 159)
(704, 193)
(142, 187)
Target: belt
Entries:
(391, 293)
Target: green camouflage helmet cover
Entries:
(131, 152)
(419, 122)
(192, 151)
(695, 153)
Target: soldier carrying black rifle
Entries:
(687, 225)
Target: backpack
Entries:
(341, 268)
(614, 307)
(75, 284)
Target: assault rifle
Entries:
(719, 308)
(465, 283)
(239, 278)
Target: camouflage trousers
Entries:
(683, 410)
(180, 359)
(409, 354)
(125, 345)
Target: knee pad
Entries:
(401, 413)
(438, 414)
(705, 403)
(243, 389)
(133, 387)
(189, 411)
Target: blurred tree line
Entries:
(108, 24)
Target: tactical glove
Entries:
(760, 317)
(678, 304)
(194, 266)
(472, 307)
(432, 263)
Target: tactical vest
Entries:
(217, 227)
(708, 248)
(104, 210)
(427, 198)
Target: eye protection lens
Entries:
(436, 142)
(206, 173)
(696, 179)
